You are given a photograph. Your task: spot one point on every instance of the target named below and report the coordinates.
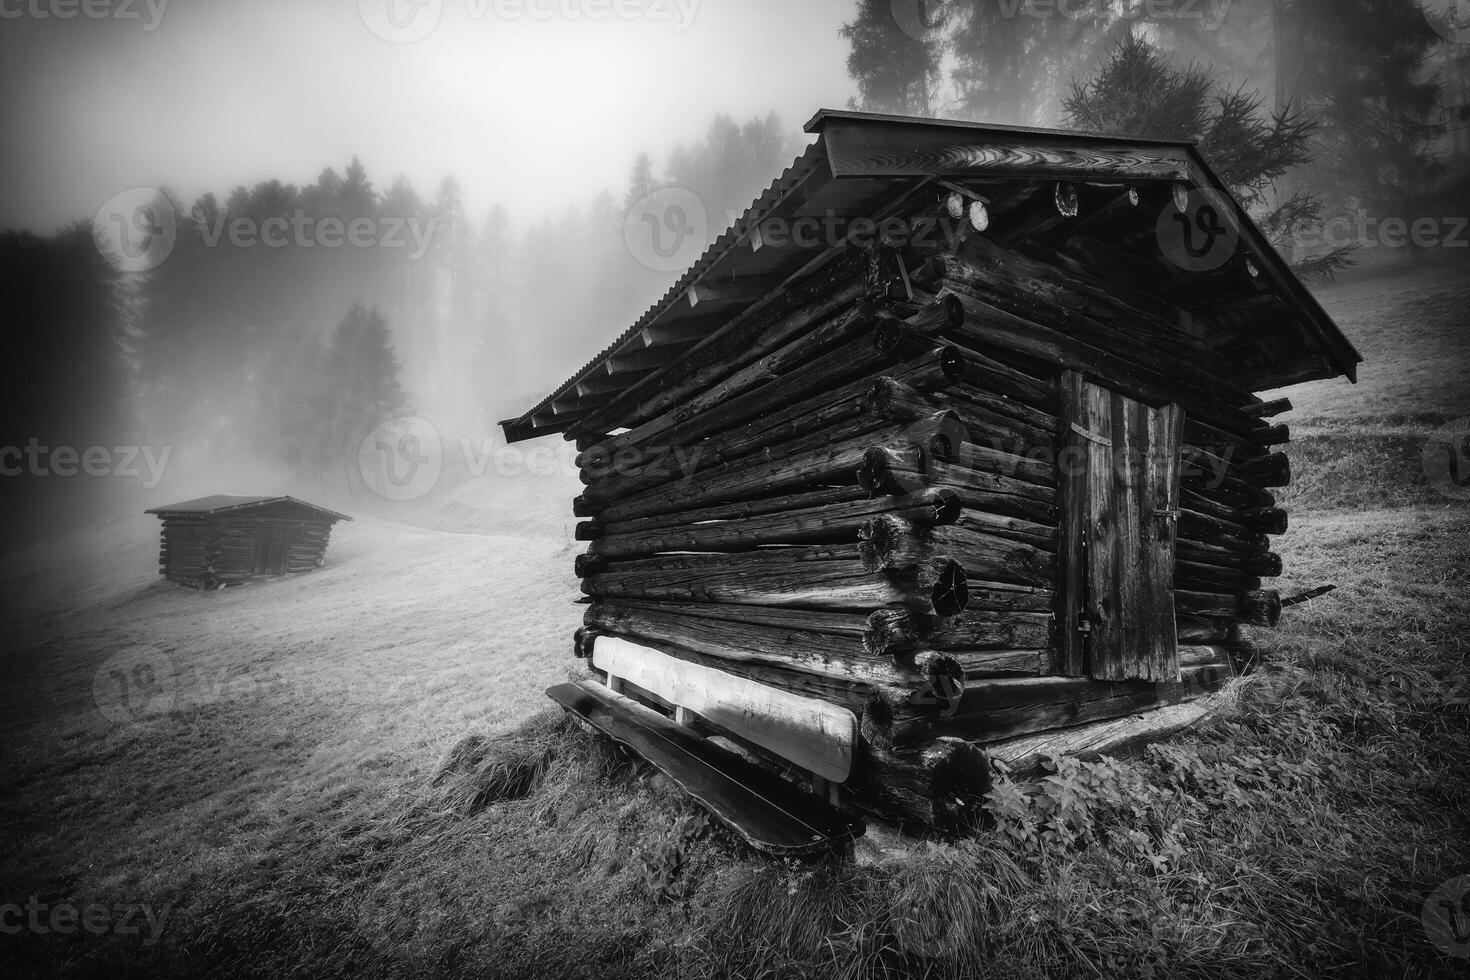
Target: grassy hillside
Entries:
(352, 773)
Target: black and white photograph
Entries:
(793, 489)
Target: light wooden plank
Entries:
(813, 734)
(1130, 596)
(1166, 428)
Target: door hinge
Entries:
(1091, 436)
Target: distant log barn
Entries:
(881, 509)
(225, 539)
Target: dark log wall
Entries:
(205, 551)
(868, 508)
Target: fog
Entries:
(249, 241)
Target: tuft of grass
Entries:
(483, 769)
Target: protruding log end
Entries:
(1271, 470)
(941, 506)
(1264, 520)
(588, 530)
(582, 641)
(892, 337)
(891, 630)
(1065, 197)
(1272, 435)
(880, 539)
(891, 469)
(952, 364)
(582, 507)
(876, 725)
(1267, 564)
(945, 582)
(589, 564)
(945, 679)
(1261, 607)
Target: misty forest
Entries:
(358, 772)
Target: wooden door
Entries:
(1120, 504)
(272, 546)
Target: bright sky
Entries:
(532, 103)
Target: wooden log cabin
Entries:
(977, 470)
(226, 539)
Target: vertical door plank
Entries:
(1072, 455)
(1102, 537)
(1130, 428)
(1161, 481)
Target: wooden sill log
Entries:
(998, 709)
(982, 665)
(887, 631)
(832, 522)
(890, 542)
(922, 677)
(813, 576)
(941, 785)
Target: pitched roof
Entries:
(221, 503)
(863, 163)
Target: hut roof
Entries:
(861, 164)
(221, 503)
